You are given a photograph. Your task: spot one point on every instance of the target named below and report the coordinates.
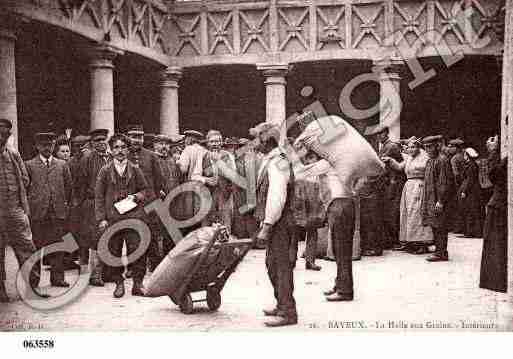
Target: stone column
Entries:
(505, 304)
(275, 90)
(169, 113)
(102, 86)
(8, 108)
(390, 103)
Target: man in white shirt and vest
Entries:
(337, 197)
(274, 193)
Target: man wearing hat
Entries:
(149, 162)
(244, 223)
(190, 165)
(393, 182)
(274, 212)
(458, 167)
(78, 149)
(49, 194)
(90, 164)
(438, 190)
(162, 145)
(15, 229)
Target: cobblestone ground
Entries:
(398, 287)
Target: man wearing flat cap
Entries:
(458, 167)
(149, 162)
(79, 145)
(393, 182)
(90, 164)
(172, 178)
(274, 212)
(15, 228)
(438, 190)
(246, 162)
(49, 194)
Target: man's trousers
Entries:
(280, 261)
(341, 214)
(15, 232)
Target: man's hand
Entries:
(463, 195)
(211, 181)
(264, 233)
(439, 207)
(103, 225)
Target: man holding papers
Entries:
(120, 184)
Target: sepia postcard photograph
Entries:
(271, 166)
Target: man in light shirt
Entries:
(338, 199)
(191, 166)
(274, 193)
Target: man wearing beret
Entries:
(438, 190)
(274, 212)
(49, 194)
(90, 164)
(15, 228)
(393, 182)
(149, 162)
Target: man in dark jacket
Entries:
(458, 167)
(172, 179)
(149, 163)
(90, 165)
(78, 149)
(14, 210)
(438, 190)
(117, 181)
(49, 195)
(393, 182)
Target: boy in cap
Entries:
(438, 190)
(15, 228)
(90, 165)
(49, 194)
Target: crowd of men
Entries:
(72, 185)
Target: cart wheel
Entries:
(173, 300)
(186, 305)
(213, 299)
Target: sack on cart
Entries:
(177, 264)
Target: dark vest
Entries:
(287, 216)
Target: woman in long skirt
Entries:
(495, 233)
(415, 236)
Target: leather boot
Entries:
(120, 289)
(4, 298)
(97, 270)
(138, 288)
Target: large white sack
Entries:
(171, 273)
(335, 140)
